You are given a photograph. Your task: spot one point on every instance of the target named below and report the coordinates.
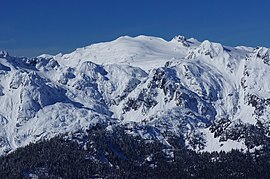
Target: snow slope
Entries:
(213, 96)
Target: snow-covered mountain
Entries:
(214, 97)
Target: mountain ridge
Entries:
(204, 92)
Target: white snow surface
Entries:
(180, 87)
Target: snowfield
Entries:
(215, 97)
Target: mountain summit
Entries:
(213, 97)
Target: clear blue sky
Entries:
(33, 27)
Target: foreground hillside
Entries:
(209, 96)
(102, 155)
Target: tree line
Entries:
(116, 154)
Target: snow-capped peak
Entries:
(210, 48)
(3, 54)
(182, 40)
